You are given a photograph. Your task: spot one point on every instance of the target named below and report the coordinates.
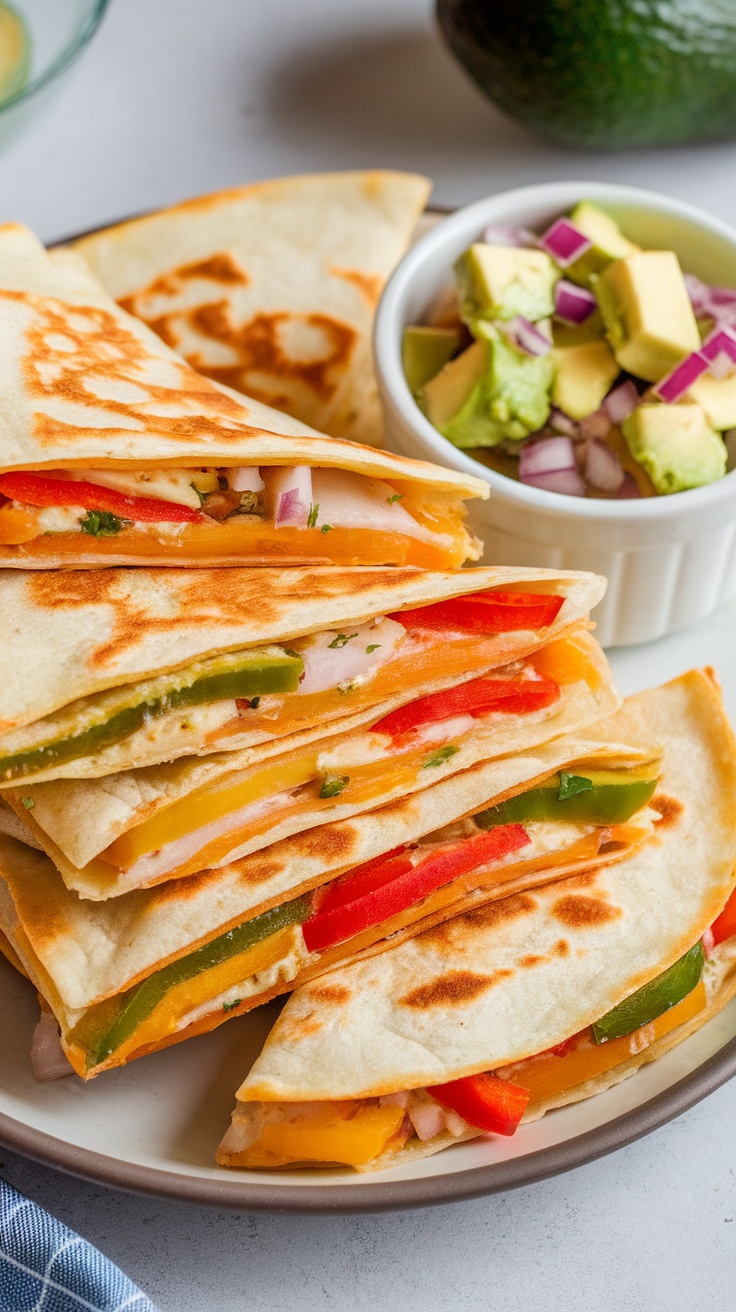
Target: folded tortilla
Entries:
(159, 965)
(151, 665)
(147, 461)
(499, 986)
(134, 830)
(272, 288)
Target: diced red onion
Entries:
(721, 342)
(573, 304)
(550, 464)
(675, 384)
(428, 1119)
(709, 302)
(597, 424)
(394, 1099)
(629, 489)
(621, 402)
(562, 423)
(331, 658)
(722, 366)
(499, 235)
(290, 488)
(245, 479)
(528, 337)
(564, 242)
(708, 940)
(602, 467)
(699, 293)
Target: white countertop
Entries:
(178, 97)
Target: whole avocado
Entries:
(603, 73)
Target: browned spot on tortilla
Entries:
(668, 807)
(585, 879)
(532, 960)
(189, 599)
(369, 284)
(452, 989)
(220, 267)
(257, 868)
(486, 916)
(582, 912)
(332, 844)
(326, 993)
(105, 349)
(562, 948)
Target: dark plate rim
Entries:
(377, 1196)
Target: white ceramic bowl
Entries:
(670, 561)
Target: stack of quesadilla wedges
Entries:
(523, 1004)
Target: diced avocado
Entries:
(424, 351)
(647, 313)
(609, 243)
(583, 376)
(499, 282)
(612, 798)
(656, 997)
(577, 334)
(717, 396)
(97, 722)
(676, 446)
(490, 392)
(103, 1028)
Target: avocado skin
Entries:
(606, 75)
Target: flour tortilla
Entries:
(113, 628)
(74, 821)
(84, 384)
(80, 951)
(510, 979)
(271, 289)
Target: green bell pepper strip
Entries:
(612, 798)
(656, 997)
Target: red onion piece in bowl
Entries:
(564, 242)
(629, 489)
(550, 464)
(573, 304)
(562, 423)
(528, 336)
(675, 384)
(499, 235)
(602, 466)
(597, 424)
(621, 402)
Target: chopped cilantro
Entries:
(332, 784)
(373, 647)
(28, 803)
(397, 496)
(440, 756)
(229, 1006)
(326, 528)
(103, 524)
(342, 640)
(312, 516)
(571, 784)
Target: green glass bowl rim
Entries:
(62, 61)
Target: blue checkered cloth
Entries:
(46, 1267)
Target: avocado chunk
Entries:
(676, 446)
(499, 282)
(424, 351)
(717, 396)
(110, 1023)
(609, 243)
(647, 313)
(607, 797)
(490, 392)
(577, 334)
(96, 722)
(583, 376)
(656, 997)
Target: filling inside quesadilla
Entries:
(275, 513)
(277, 690)
(571, 818)
(355, 1132)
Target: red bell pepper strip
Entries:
(379, 890)
(485, 612)
(725, 925)
(34, 490)
(493, 1105)
(476, 697)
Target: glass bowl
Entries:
(56, 32)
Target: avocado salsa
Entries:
(577, 362)
(599, 797)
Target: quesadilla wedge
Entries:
(116, 452)
(151, 665)
(139, 972)
(144, 827)
(521, 1005)
(272, 288)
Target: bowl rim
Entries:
(387, 351)
(72, 51)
